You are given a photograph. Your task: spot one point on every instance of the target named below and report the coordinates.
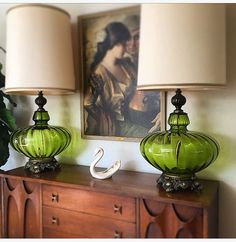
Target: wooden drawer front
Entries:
(65, 223)
(102, 204)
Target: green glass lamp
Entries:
(185, 48)
(39, 61)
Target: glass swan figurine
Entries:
(99, 152)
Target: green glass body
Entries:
(40, 141)
(179, 152)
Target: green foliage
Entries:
(7, 122)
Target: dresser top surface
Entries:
(127, 183)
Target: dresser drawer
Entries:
(62, 223)
(96, 203)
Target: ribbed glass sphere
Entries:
(40, 143)
(179, 151)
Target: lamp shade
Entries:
(39, 50)
(182, 46)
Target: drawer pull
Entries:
(117, 234)
(55, 220)
(55, 197)
(117, 209)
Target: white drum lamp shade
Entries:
(39, 50)
(182, 46)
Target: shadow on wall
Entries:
(224, 163)
(22, 112)
(77, 145)
(223, 170)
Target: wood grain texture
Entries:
(123, 182)
(71, 203)
(21, 209)
(84, 225)
(102, 204)
(157, 218)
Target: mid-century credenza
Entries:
(71, 203)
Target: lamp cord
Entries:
(2, 83)
(3, 50)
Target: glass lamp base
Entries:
(172, 183)
(178, 152)
(40, 142)
(37, 166)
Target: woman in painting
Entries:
(112, 84)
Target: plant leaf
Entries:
(7, 119)
(4, 142)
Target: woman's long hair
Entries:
(116, 33)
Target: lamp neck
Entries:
(178, 120)
(178, 100)
(40, 101)
(41, 116)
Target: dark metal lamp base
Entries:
(172, 183)
(37, 166)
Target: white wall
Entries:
(210, 112)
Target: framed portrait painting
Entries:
(112, 107)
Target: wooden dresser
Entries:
(71, 203)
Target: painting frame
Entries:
(85, 53)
